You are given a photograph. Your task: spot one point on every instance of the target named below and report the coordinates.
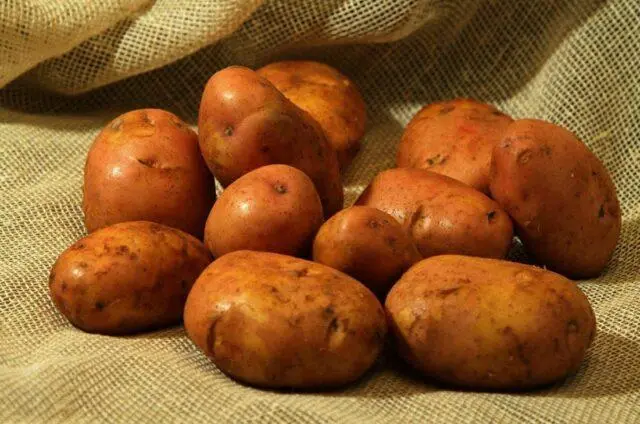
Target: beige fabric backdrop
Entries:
(575, 62)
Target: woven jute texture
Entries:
(68, 67)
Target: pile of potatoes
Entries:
(283, 288)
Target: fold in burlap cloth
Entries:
(574, 62)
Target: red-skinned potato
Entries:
(367, 244)
(454, 138)
(328, 96)
(442, 215)
(146, 165)
(274, 208)
(277, 321)
(246, 123)
(126, 278)
(560, 196)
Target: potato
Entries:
(277, 321)
(274, 208)
(126, 278)
(454, 138)
(560, 196)
(367, 244)
(246, 123)
(489, 324)
(146, 165)
(328, 96)
(443, 215)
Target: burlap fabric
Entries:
(575, 62)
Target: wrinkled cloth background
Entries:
(68, 67)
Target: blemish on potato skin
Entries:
(280, 188)
(228, 130)
(150, 163)
(122, 250)
(100, 305)
(491, 215)
(601, 212)
(447, 292)
(524, 157)
(77, 246)
(144, 117)
(446, 109)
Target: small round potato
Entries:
(454, 138)
(274, 208)
(489, 324)
(560, 196)
(442, 215)
(367, 244)
(328, 96)
(146, 165)
(246, 123)
(277, 321)
(126, 278)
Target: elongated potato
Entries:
(489, 324)
(146, 165)
(454, 138)
(367, 244)
(274, 208)
(560, 196)
(272, 320)
(443, 215)
(128, 277)
(328, 96)
(246, 123)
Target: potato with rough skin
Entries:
(328, 96)
(274, 208)
(454, 138)
(277, 321)
(246, 123)
(489, 324)
(560, 196)
(146, 165)
(442, 215)
(126, 278)
(367, 244)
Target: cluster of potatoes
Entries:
(427, 239)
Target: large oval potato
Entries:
(146, 165)
(277, 321)
(328, 96)
(560, 196)
(442, 214)
(128, 277)
(489, 324)
(367, 244)
(246, 123)
(274, 208)
(454, 138)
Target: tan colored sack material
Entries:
(574, 62)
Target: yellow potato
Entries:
(489, 324)
(272, 320)
(128, 277)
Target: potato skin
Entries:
(328, 96)
(246, 123)
(454, 138)
(367, 244)
(489, 324)
(146, 165)
(274, 208)
(560, 196)
(126, 278)
(277, 321)
(443, 215)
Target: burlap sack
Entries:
(574, 62)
